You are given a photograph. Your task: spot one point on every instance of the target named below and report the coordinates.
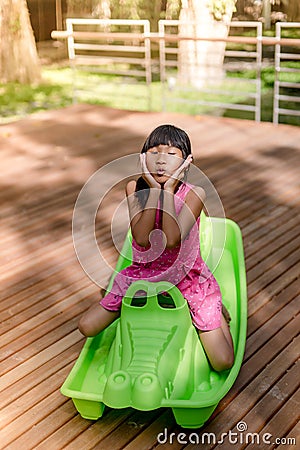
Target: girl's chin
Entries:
(162, 180)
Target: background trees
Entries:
(201, 62)
(170, 9)
(293, 10)
(18, 54)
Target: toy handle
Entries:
(153, 289)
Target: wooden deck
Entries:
(45, 160)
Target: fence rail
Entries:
(123, 47)
(282, 71)
(156, 37)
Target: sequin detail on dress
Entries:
(182, 266)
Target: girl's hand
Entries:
(146, 174)
(178, 175)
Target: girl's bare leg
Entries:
(96, 319)
(218, 346)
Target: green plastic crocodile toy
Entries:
(152, 357)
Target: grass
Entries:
(17, 100)
(56, 91)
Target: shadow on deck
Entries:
(46, 159)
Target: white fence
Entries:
(111, 47)
(287, 77)
(126, 48)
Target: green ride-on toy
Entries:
(151, 357)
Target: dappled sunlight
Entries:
(46, 161)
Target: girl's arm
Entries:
(176, 227)
(142, 221)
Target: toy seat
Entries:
(152, 357)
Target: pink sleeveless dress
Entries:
(182, 265)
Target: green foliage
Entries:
(221, 9)
(56, 91)
(17, 100)
(268, 74)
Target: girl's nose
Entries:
(161, 159)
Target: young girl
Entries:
(164, 215)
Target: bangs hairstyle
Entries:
(162, 135)
(168, 135)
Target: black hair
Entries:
(162, 135)
(168, 135)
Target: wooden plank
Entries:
(276, 396)
(79, 433)
(14, 435)
(34, 396)
(39, 339)
(269, 328)
(266, 224)
(39, 374)
(65, 262)
(280, 423)
(254, 184)
(283, 232)
(251, 394)
(291, 438)
(40, 239)
(253, 423)
(282, 254)
(38, 360)
(126, 431)
(44, 315)
(38, 293)
(13, 287)
(259, 225)
(46, 284)
(39, 349)
(273, 289)
(263, 359)
(148, 437)
(41, 259)
(269, 309)
(270, 275)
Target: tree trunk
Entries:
(89, 8)
(266, 12)
(18, 55)
(201, 62)
(79, 8)
(102, 9)
(293, 12)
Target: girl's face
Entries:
(162, 161)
